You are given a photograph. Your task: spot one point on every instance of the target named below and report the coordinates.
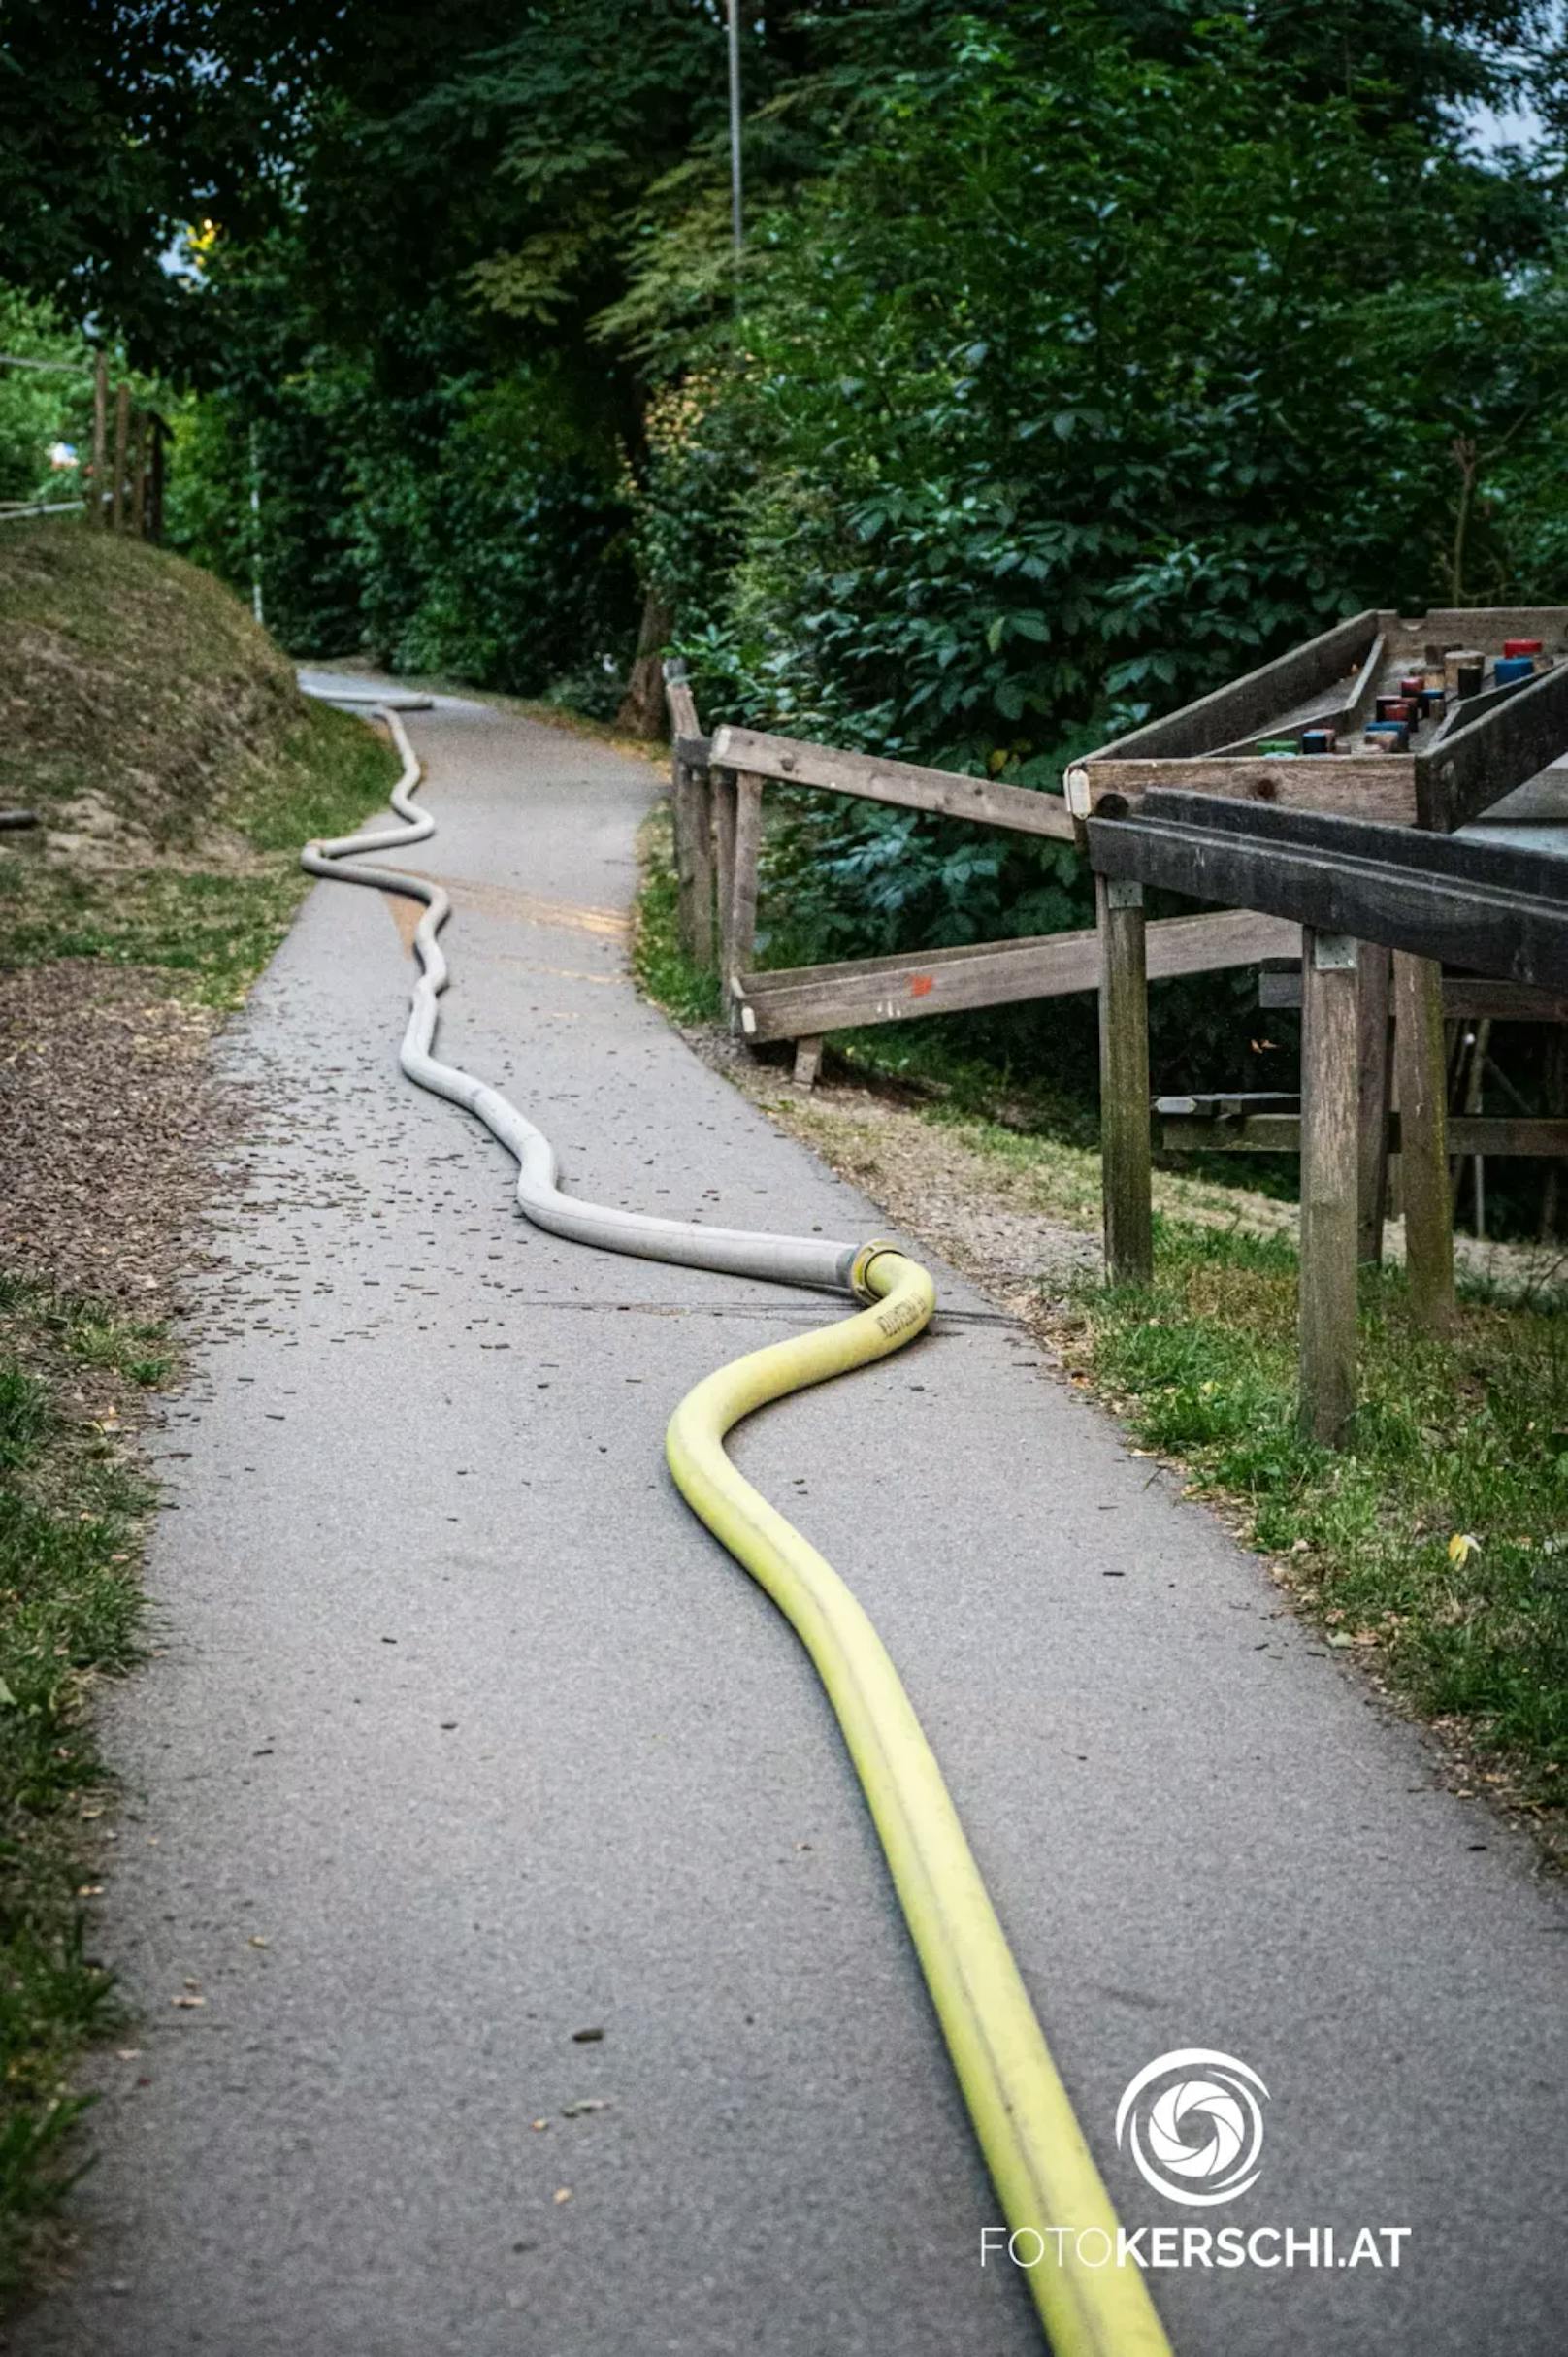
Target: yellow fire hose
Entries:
(1039, 2163)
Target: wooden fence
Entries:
(717, 800)
(122, 483)
(1369, 896)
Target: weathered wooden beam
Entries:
(741, 939)
(1195, 1130)
(1476, 765)
(1123, 1082)
(1439, 897)
(692, 802)
(899, 782)
(1326, 1319)
(1465, 997)
(679, 700)
(1374, 1053)
(1424, 1144)
(1244, 707)
(723, 862)
(1445, 626)
(1359, 785)
(803, 998)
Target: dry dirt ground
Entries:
(106, 1109)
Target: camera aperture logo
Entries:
(1193, 2123)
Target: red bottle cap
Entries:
(1521, 646)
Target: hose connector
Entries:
(860, 1279)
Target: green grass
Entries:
(70, 1613)
(1437, 1541)
(661, 967)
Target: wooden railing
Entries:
(717, 798)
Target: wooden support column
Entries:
(1423, 1146)
(100, 439)
(139, 429)
(157, 485)
(1123, 1082)
(807, 1060)
(1375, 1060)
(692, 805)
(122, 427)
(1329, 1158)
(679, 829)
(724, 835)
(740, 947)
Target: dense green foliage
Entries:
(1083, 352)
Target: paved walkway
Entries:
(479, 1789)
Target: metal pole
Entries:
(100, 440)
(736, 230)
(255, 531)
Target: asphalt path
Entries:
(516, 1969)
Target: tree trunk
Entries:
(642, 707)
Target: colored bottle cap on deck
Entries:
(1470, 676)
(1521, 646)
(1277, 746)
(1317, 740)
(1434, 702)
(1387, 736)
(1395, 708)
(1415, 684)
(1508, 667)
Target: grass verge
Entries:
(1436, 1543)
(70, 1610)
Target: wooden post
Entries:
(1123, 1082)
(1423, 1147)
(155, 490)
(138, 473)
(748, 838)
(122, 427)
(679, 829)
(807, 1060)
(724, 854)
(692, 811)
(692, 805)
(1375, 1060)
(1329, 1160)
(100, 439)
